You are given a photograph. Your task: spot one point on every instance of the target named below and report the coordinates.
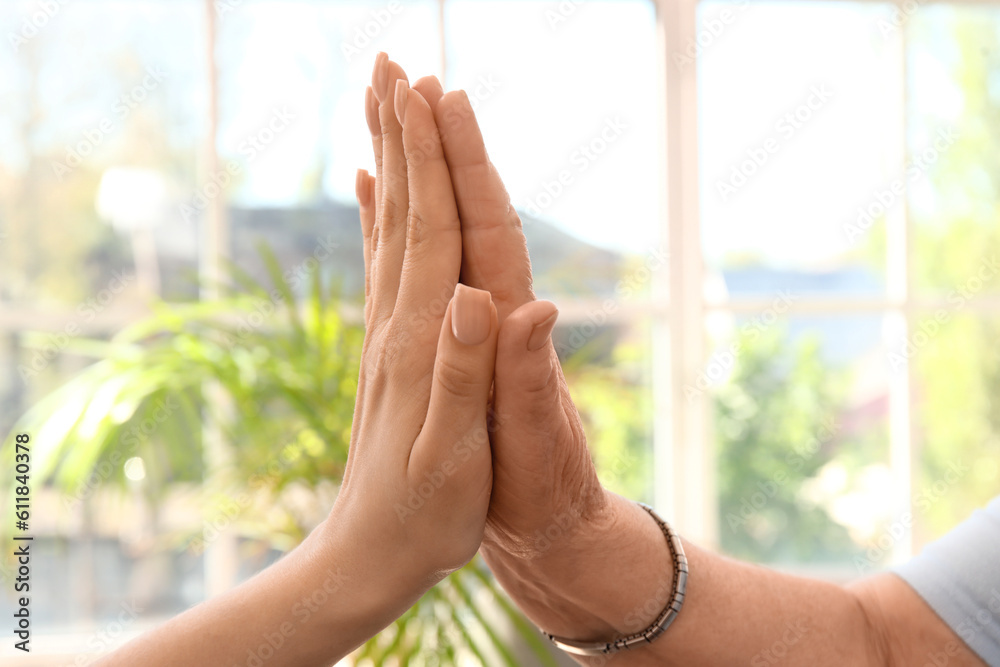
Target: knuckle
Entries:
(392, 210)
(382, 353)
(425, 238)
(427, 147)
(535, 382)
(513, 290)
(415, 228)
(456, 377)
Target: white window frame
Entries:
(684, 456)
(684, 460)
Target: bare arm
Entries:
(606, 573)
(311, 608)
(611, 577)
(427, 366)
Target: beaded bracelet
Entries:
(662, 622)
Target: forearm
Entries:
(734, 613)
(312, 607)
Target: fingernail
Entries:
(540, 332)
(371, 113)
(437, 83)
(471, 315)
(361, 188)
(461, 112)
(380, 76)
(468, 103)
(400, 100)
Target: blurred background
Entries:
(771, 229)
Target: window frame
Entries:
(684, 445)
(684, 459)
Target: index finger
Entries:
(433, 236)
(494, 251)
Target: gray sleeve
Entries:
(959, 577)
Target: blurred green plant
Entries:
(778, 421)
(958, 371)
(283, 376)
(610, 384)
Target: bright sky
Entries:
(830, 160)
(560, 80)
(543, 89)
(550, 78)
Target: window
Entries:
(587, 195)
(846, 220)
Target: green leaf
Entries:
(459, 587)
(528, 632)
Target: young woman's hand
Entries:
(418, 480)
(419, 474)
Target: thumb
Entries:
(541, 464)
(463, 375)
(528, 390)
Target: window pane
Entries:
(798, 130)
(956, 372)
(575, 144)
(609, 372)
(96, 541)
(101, 122)
(292, 82)
(99, 134)
(800, 424)
(577, 149)
(954, 102)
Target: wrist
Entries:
(377, 584)
(609, 576)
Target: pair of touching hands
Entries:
(465, 439)
(465, 435)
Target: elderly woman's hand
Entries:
(589, 565)
(550, 521)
